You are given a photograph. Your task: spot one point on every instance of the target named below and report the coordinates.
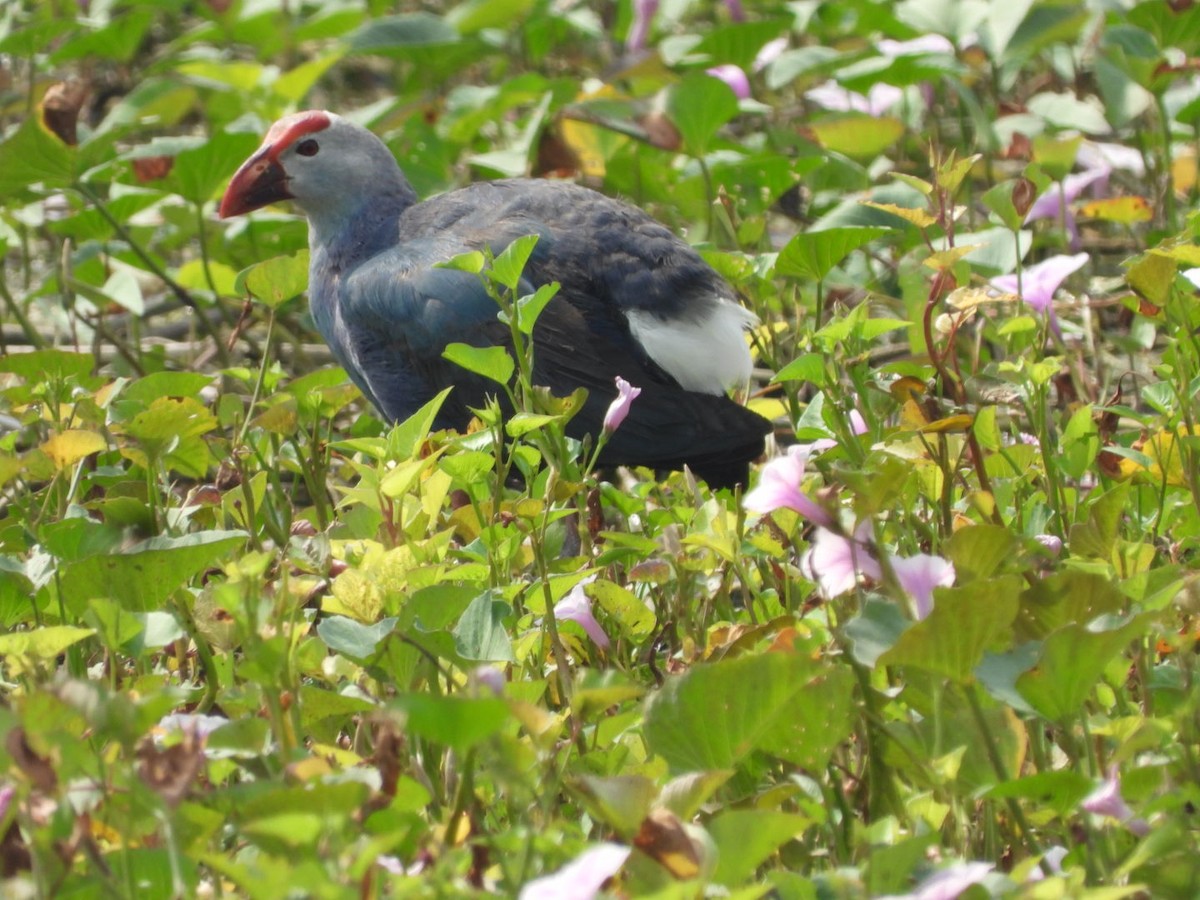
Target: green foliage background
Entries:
(258, 643)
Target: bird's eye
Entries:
(307, 148)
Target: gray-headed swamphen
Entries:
(635, 300)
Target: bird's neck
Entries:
(341, 240)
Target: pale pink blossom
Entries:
(770, 51)
(919, 575)
(928, 43)
(489, 678)
(835, 562)
(1055, 203)
(1052, 542)
(1106, 800)
(576, 606)
(639, 30)
(1039, 282)
(876, 102)
(779, 487)
(619, 408)
(734, 77)
(6, 797)
(580, 879)
(1052, 861)
(947, 883)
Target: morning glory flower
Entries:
(877, 101)
(919, 575)
(835, 562)
(639, 31)
(577, 607)
(947, 883)
(734, 77)
(1106, 801)
(1040, 281)
(619, 408)
(779, 487)
(580, 879)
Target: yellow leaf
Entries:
(965, 298)
(917, 217)
(912, 417)
(1125, 210)
(68, 447)
(959, 422)
(857, 136)
(907, 387)
(1183, 173)
(945, 259)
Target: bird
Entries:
(635, 300)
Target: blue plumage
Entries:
(635, 300)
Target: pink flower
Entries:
(919, 575)
(619, 408)
(835, 561)
(576, 606)
(947, 883)
(878, 100)
(1052, 542)
(1056, 203)
(735, 10)
(770, 51)
(929, 43)
(1040, 281)
(490, 678)
(6, 797)
(639, 31)
(734, 77)
(580, 879)
(779, 487)
(1106, 801)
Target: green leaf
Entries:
(510, 262)
(405, 440)
(979, 551)
(495, 363)
(1072, 661)
(43, 366)
(41, 644)
(476, 15)
(143, 576)
(715, 715)
(344, 635)
(698, 106)
(1096, 537)
(965, 622)
(399, 34)
(858, 136)
(621, 801)
(745, 838)
(1066, 597)
(199, 171)
(455, 722)
(276, 280)
(34, 156)
(149, 388)
(530, 306)
(812, 254)
(480, 634)
(875, 630)
(810, 367)
(623, 607)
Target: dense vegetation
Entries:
(258, 643)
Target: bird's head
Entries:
(323, 162)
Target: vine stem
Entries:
(993, 753)
(174, 286)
